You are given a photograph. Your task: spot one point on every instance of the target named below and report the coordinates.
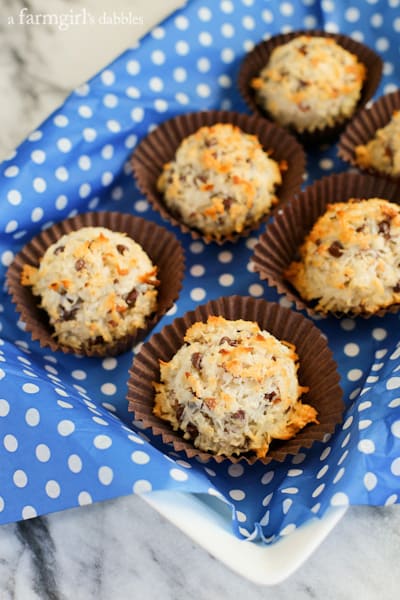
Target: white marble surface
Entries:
(123, 549)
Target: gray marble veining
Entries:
(123, 549)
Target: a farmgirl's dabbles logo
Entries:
(63, 21)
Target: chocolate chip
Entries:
(397, 287)
(59, 249)
(80, 264)
(179, 408)
(384, 228)
(122, 249)
(131, 297)
(303, 49)
(192, 431)
(228, 201)
(200, 179)
(361, 228)
(269, 396)
(240, 414)
(210, 142)
(196, 359)
(227, 340)
(388, 152)
(68, 314)
(335, 249)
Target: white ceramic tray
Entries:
(207, 520)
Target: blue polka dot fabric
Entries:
(66, 437)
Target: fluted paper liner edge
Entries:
(317, 370)
(161, 246)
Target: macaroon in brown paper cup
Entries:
(317, 371)
(362, 129)
(159, 148)
(278, 246)
(160, 245)
(258, 58)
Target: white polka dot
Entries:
(107, 77)
(196, 247)
(391, 500)
(158, 33)
(89, 134)
(235, 470)
(248, 23)
(60, 121)
(181, 23)
(318, 490)
(65, 427)
(30, 388)
(225, 81)
(322, 471)
(11, 171)
(84, 498)
(84, 162)
(102, 442)
(203, 64)
(347, 324)
(351, 349)
(37, 214)
(109, 389)
(227, 6)
(131, 141)
(42, 452)
(352, 14)
(197, 270)
(38, 156)
(20, 478)
(53, 489)
(180, 74)
(133, 92)
(35, 136)
(161, 105)
(39, 184)
(14, 197)
(78, 374)
(6, 258)
(227, 55)
(366, 446)
(158, 57)
(226, 280)
(140, 458)
(237, 494)
(10, 443)
(110, 100)
(354, 374)
(85, 111)
(393, 383)
(141, 206)
(105, 475)
(370, 481)
(395, 429)
(205, 38)
(137, 114)
(340, 499)
(133, 67)
(203, 90)
(113, 125)
(28, 512)
(225, 257)
(32, 417)
(142, 486)
(256, 290)
(64, 144)
(395, 466)
(74, 463)
(84, 190)
(197, 294)
(61, 174)
(227, 30)
(4, 407)
(379, 334)
(61, 202)
(382, 44)
(178, 475)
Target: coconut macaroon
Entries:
(382, 152)
(232, 388)
(309, 83)
(350, 261)
(220, 181)
(96, 286)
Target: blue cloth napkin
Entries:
(67, 438)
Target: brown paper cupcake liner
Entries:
(161, 246)
(259, 56)
(159, 147)
(278, 246)
(363, 128)
(317, 370)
